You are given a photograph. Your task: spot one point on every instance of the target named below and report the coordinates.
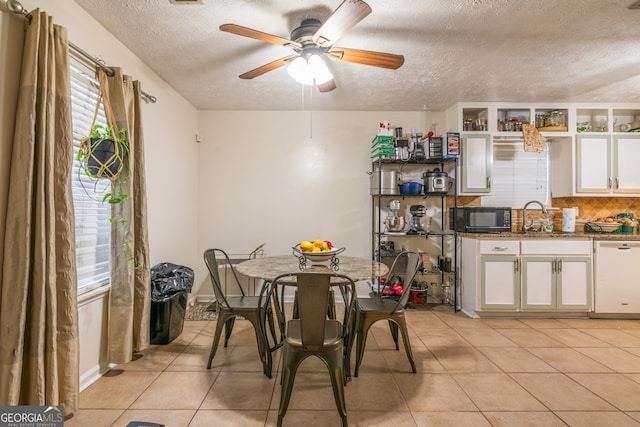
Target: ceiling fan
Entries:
(313, 40)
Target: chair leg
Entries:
(222, 321)
(291, 361)
(407, 344)
(336, 372)
(228, 328)
(363, 330)
(394, 332)
(263, 344)
(350, 338)
(331, 309)
(272, 326)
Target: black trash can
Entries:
(170, 284)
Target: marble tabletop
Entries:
(269, 268)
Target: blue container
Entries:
(410, 188)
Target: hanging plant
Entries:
(103, 154)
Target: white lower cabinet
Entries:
(556, 282)
(499, 274)
(526, 275)
(556, 274)
(499, 281)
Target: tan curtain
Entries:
(130, 298)
(38, 298)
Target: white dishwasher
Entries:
(617, 276)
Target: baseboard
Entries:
(203, 298)
(91, 376)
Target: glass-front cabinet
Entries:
(594, 148)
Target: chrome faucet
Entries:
(524, 214)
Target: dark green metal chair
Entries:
(370, 310)
(256, 309)
(312, 333)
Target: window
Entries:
(93, 229)
(518, 176)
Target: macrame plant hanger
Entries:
(112, 160)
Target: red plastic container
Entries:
(418, 296)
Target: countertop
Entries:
(552, 235)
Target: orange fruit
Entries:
(318, 243)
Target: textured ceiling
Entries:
(455, 50)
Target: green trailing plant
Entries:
(103, 155)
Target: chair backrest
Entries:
(211, 260)
(413, 264)
(313, 300)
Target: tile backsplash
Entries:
(589, 208)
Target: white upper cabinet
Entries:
(594, 148)
(476, 159)
(593, 164)
(601, 159)
(626, 174)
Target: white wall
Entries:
(280, 177)
(171, 153)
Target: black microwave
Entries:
(480, 219)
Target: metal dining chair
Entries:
(256, 309)
(370, 310)
(312, 333)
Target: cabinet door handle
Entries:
(609, 183)
(500, 248)
(553, 266)
(559, 266)
(516, 266)
(617, 183)
(488, 182)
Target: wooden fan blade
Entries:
(267, 67)
(258, 35)
(327, 86)
(348, 14)
(366, 57)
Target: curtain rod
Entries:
(16, 7)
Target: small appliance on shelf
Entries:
(394, 223)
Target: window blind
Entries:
(518, 176)
(93, 229)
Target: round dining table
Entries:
(355, 268)
(268, 268)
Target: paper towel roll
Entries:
(569, 220)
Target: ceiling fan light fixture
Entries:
(311, 71)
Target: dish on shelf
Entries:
(605, 227)
(317, 256)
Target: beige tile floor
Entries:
(471, 372)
